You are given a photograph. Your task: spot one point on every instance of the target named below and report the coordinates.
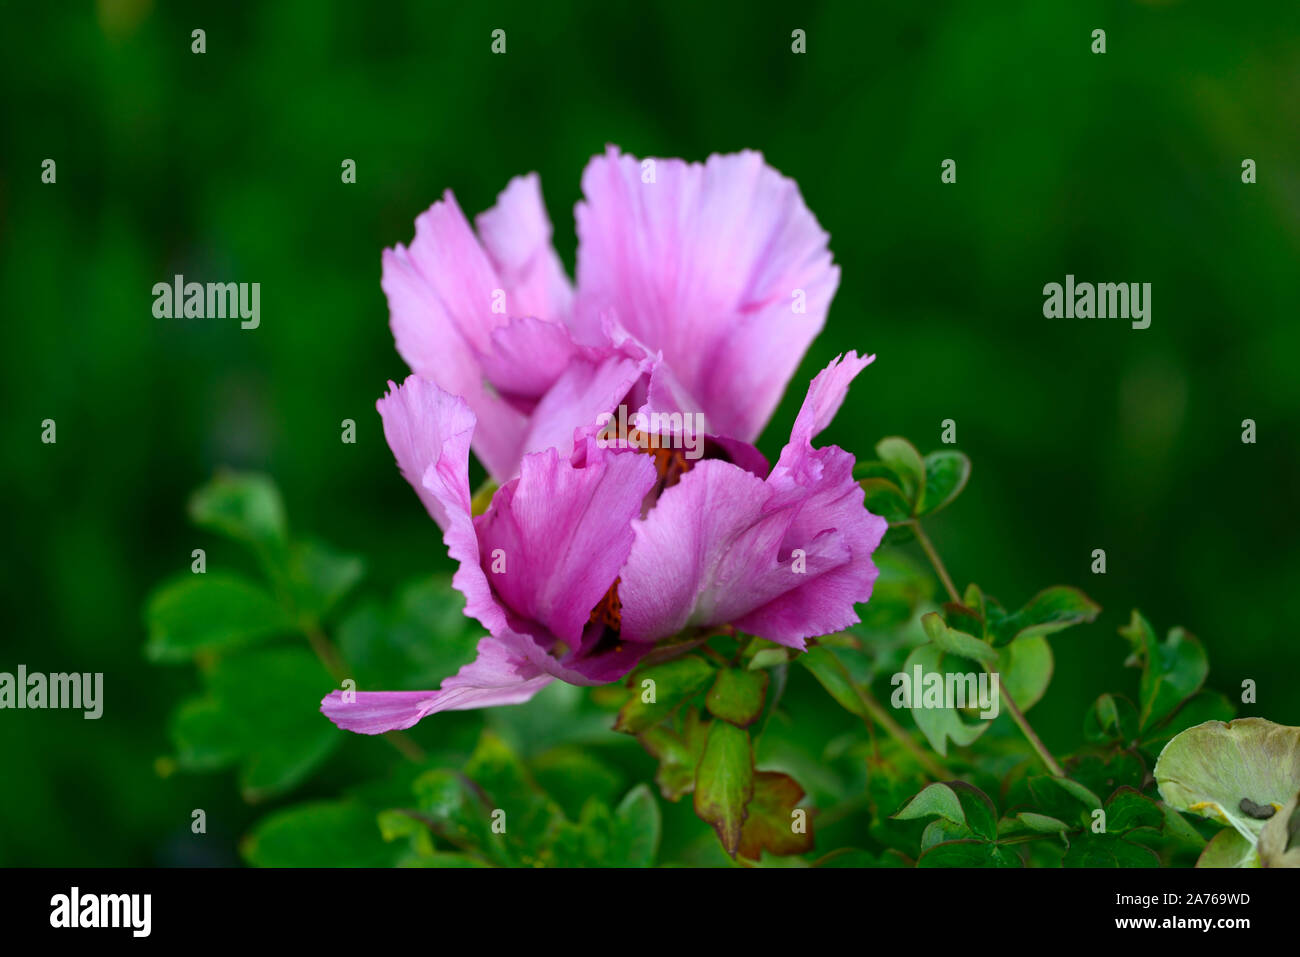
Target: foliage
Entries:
(931, 780)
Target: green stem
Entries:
(886, 720)
(1027, 729)
(928, 547)
(324, 648)
(1017, 715)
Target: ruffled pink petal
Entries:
(825, 501)
(527, 356)
(442, 292)
(696, 552)
(826, 393)
(497, 676)
(554, 541)
(576, 401)
(516, 233)
(786, 558)
(426, 427)
(429, 432)
(562, 386)
(704, 264)
(838, 535)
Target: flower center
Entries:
(670, 463)
(609, 610)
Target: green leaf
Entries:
(397, 823)
(638, 826)
(261, 710)
(678, 753)
(1041, 823)
(934, 799)
(1177, 827)
(959, 617)
(1172, 670)
(1026, 667)
(834, 677)
(901, 457)
(1064, 799)
(208, 614)
(670, 684)
(867, 469)
(458, 813)
(320, 576)
(1051, 610)
(968, 853)
(724, 782)
(906, 462)
(1111, 718)
(772, 824)
(770, 658)
(570, 775)
(973, 598)
(956, 643)
(884, 498)
(1107, 850)
(981, 816)
(584, 843)
(941, 831)
(958, 803)
(939, 724)
(737, 696)
(1128, 809)
(946, 473)
(413, 644)
(244, 506)
(529, 814)
(319, 834)
(1103, 772)
(627, 837)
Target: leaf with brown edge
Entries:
(724, 782)
(657, 690)
(770, 825)
(678, 754)
(737, 696)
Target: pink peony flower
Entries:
(581, 565)
(700, 287)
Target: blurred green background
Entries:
(1084, 434)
